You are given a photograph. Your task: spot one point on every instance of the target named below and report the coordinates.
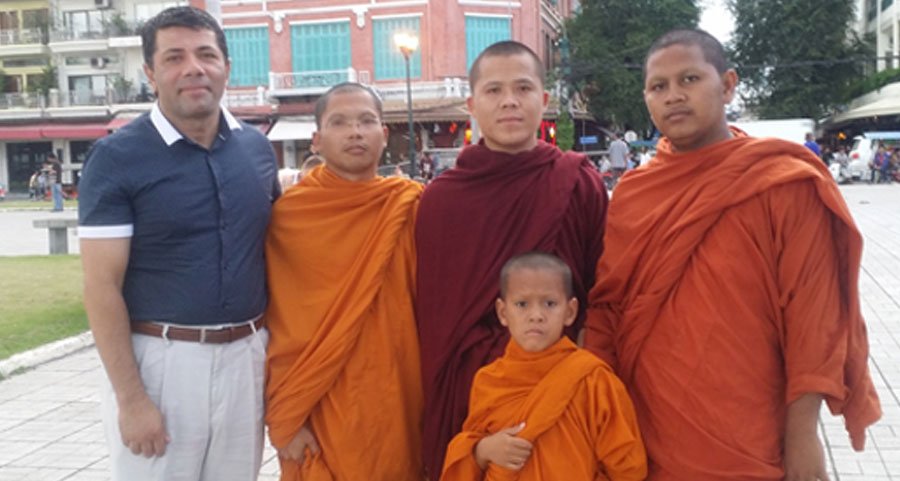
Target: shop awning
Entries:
(286, 129)
(74, 131)
(20, 133)
(53, 131)
(886, 106)
(118, 122)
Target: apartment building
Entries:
(284, 54)
(881, 18)
(297, 49)
(94, 51)
(879, 109)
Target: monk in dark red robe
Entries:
(726, 298)
(508, 195)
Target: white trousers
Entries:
(211, 399)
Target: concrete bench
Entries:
(58, 232)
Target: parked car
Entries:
(863, 150)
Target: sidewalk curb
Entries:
(44, 354)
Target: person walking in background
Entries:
(879, 158)
(618, 156)
(172, 246)
(812, 145)
(727, 295)
(507, 195)
(54, 179)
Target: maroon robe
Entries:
(472, 219)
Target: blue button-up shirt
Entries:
(197, 218)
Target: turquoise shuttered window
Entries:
(249, 52)
(481, 33)
(389, 63)
(321, 47)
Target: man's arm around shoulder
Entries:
(140, 422)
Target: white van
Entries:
(863, 152)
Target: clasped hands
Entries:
(504, 449)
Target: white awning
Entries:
(288, 129)
(887, 106)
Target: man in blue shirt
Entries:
(172, 218)
(812, 145)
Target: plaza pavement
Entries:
(50, 428)
(18, 237)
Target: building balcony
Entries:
(298, 84)
(449, 88)
(59, 99)
(23, 42)
(117, 34)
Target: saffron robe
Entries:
(472, 219)
(728, 289)
(577, 416)
(343, 353)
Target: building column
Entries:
(895, 33)
(4, 166)
(879, 43)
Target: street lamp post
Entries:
(407, 43)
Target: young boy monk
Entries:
(545, 410)
(511, 193)
(727, 295)
(344, 395)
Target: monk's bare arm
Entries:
(804, 458)
(140, 422)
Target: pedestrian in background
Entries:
(812, 145)
(54, 179)
(618, 156)
(172, 219)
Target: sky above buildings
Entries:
(716, 19)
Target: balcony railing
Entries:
(73, 99)
(447, 89)
(115, 96)
(112, 29)
(25, 36)
(309, 82)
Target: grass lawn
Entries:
(40, 301)
(18, 204)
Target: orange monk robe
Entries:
(577, 416)
(343, 354)
(727, 290)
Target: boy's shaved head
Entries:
(538, 261)
(712, 49)
(506, 48)
(344, 87)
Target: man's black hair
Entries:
(712, 49)
(188, 17)
(505, 48)
(341, 88)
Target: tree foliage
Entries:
(45, 81)
(609, 41)
(565, 131)
(796, 58)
